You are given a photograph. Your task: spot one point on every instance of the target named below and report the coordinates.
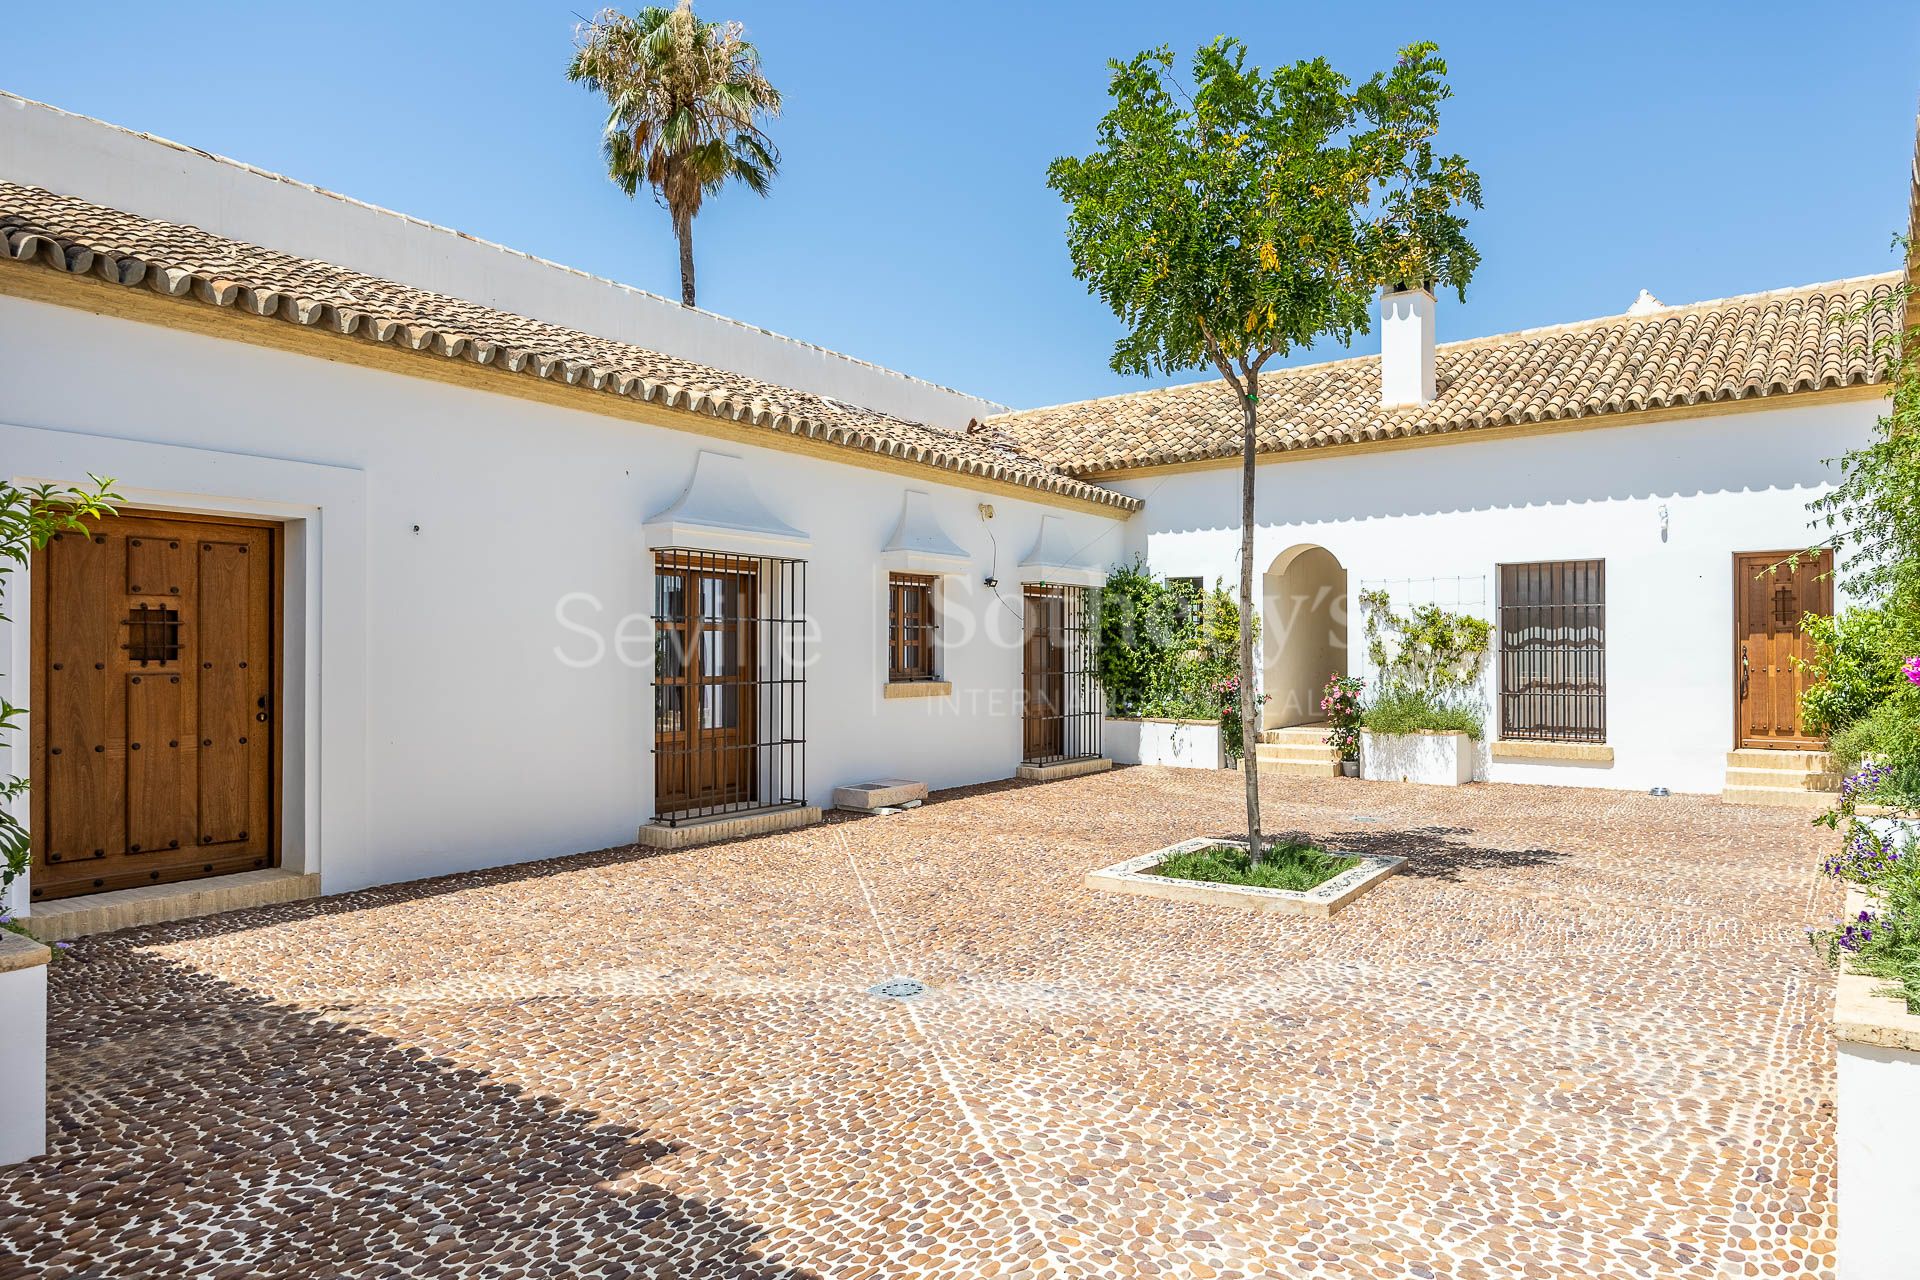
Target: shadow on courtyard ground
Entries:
(197, 1129)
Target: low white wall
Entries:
(1437, 759)
(1879, 1176)
(23, 1062)
(1665, 504)
(1178, 744)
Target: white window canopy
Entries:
(719, 511)
(1057, 561)
(919, 544)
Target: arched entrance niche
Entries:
(1303, 633)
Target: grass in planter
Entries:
(1417, 711)
(1294, 866)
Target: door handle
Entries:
(1744, 669)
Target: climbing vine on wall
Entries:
(1427, 649)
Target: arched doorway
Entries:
(1303, 633)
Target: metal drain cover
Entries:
(898, 989)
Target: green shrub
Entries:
(1143, 625)
(1160, 649)
(1418, 711)
(1854, 660)
(1889, 734)
(1884, 940)
(1294, 866)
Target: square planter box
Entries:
(1135, 876)
(1437, 759)
(1178, 744)
(23, 1048)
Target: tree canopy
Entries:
(1250, 214)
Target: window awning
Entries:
(719, 511)
(1055, 559)
(919, 544)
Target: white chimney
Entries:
(1406, 347)
(1645, 304)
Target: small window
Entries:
(1193, 598)
(153, 635)
(910, 627)
(1553, 651)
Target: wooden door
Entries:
(1043, 711)
(1770, 598)
(705, 682)
(156, 661)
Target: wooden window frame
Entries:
(901, 668)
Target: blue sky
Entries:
(1695, 149)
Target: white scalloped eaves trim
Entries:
(349, 321)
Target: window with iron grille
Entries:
(1192, 594)
(729, 683)
(910, 628)
(1553, 651)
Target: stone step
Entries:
(1300, 735)
(1755, 758)
(1798, 779)
(1301, 768)
(1777, 797)
(1281, 752)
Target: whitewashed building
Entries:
(435, 556)
(1610, 494)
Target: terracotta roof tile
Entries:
(1764, 344)
(74, 236)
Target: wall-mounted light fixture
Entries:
(1663, 522)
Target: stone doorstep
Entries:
(881, 793)
(1861, 1015)
(66, 918)
(1322, 900)
(1065, 769)
(728, 826)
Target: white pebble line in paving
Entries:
(927, 1037)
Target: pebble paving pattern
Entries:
(1580, 1035)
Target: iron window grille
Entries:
(729, 684)
(1062, 703)
(1192, 596)
(910, 628)
(1553, 651)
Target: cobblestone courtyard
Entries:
(1582, 1035)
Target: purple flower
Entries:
(1911, 669)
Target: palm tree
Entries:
(686, 99)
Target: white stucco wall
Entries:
(1734, 482)
(444, 726)
(1879, 1124)
(45, 147)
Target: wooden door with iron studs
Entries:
(156, 642)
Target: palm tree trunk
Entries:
(683, 232)
(1249, 726)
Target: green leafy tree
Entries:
(29, 517)
(1873, 513)
(686, 100)
(1239, 215)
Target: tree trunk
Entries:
(683, 232)
(1249, 709)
